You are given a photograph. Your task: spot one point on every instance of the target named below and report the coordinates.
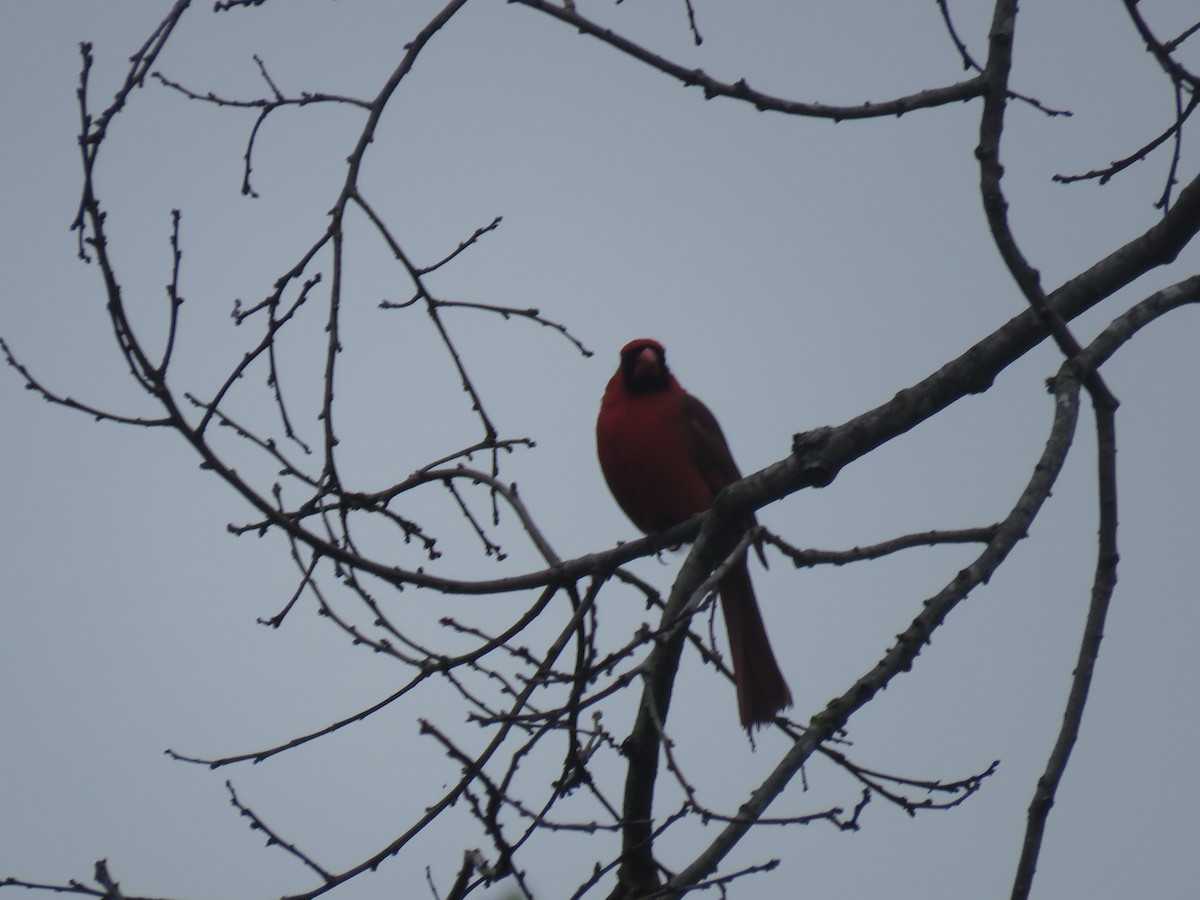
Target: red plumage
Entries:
(665, 460)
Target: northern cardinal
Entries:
(665, 459)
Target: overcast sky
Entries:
(799, 272)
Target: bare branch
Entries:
(901, 656)
(273, 839)
(1172, 133)
(808, 558)
(534, 762)
(740, 90)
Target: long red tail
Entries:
(761, 689)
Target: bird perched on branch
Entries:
(665, 460)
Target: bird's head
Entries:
(644, 367)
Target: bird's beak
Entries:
(646, 365)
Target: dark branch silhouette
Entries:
(538, 685)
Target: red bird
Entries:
(665, 460)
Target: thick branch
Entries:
(900, 657)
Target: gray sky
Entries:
(798, 271)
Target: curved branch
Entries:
(1102, 176)
(740, 90)
(900, 657)
(995, 205)
(1104, 580)
(1162, 52)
